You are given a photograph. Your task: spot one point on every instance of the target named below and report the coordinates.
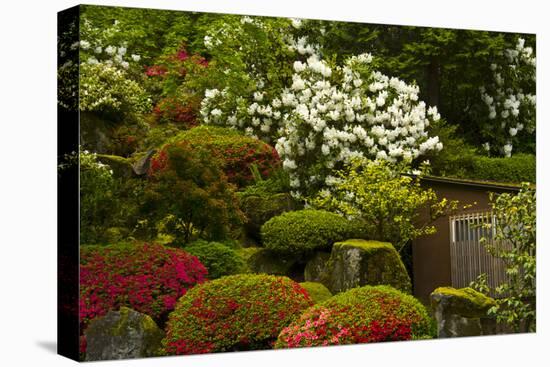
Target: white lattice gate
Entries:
(469, 257)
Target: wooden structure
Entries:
(453, 256)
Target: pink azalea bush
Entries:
(146, 277)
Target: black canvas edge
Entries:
(68, 195)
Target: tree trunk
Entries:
(433, 81)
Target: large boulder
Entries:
(261, 208)
(122, 334)
(141, 166)
(355, 263)
(462, 312)
(261, 260)
(317, 267)
(122, 167)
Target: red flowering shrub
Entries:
(172, 109)
(148, 278)
(235, 151)
(237, 312)
(360, 315)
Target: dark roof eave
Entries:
(471, 183)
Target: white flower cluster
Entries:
(329, 115)
(96, 52)
(104, 87)
(510, 108)
(110, 55)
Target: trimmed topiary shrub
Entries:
(517, 168)
(317, 291)
(235, 151)
(219, 259)
(361, 315)
(303, 231)
(237, 312)
(148, 278)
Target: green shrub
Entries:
(387, 202)
(517, 168)
(219, 259)
(317, 291)
(236, 152)
(303, 231)
(237, 312)
(360, 315)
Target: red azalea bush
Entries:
(236, 152)
(237, 312)
(148, 278)
(360, 315)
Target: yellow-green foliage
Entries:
(384, 199)
(317, 291)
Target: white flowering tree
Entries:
(107, 85)
(327, 114)
(510, 100)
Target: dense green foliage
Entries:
(386, 202)
(514, 242)
(219, 259)
(238, 312)
(515, 169)
(187, 189)
(303, 231)
(361, 315)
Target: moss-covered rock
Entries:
(123, 334)
(268, 262)
(317, 291)
(261, 208)
(317, 267)
(122, 167)
(462, 312)
(466, 302)
(355, 263)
